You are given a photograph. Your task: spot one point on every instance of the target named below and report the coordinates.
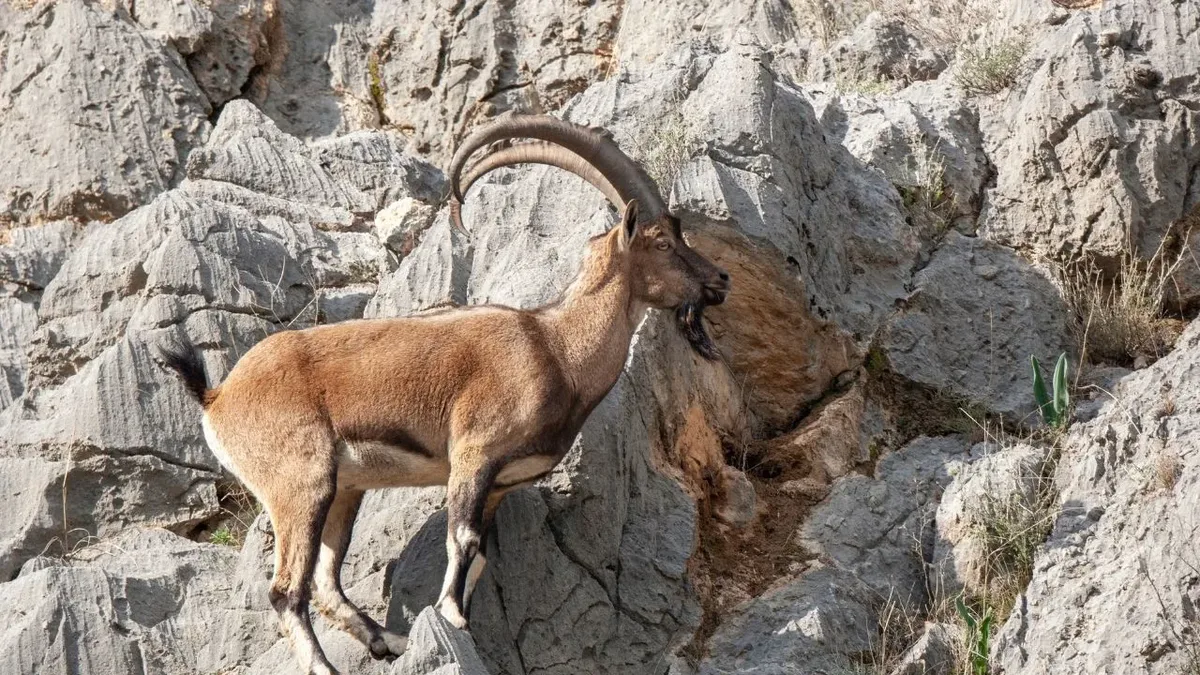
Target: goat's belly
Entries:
(366, 465)
(526, 470)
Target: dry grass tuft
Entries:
(827, 20)
(927, 197)
(940, 24)
(663, 149)
(1167, 469)
(1120, 318)
(1010, 529)
(991, 66)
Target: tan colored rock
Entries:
(788, 358)
(824, 448)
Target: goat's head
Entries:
(665, 272)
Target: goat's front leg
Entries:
(480, 562)
(466, 495)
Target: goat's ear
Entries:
(629, 221)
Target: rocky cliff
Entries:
(911, 202)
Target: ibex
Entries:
(484, 399)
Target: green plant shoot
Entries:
(979, 633)
(1054, 406)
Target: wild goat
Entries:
(483, 399)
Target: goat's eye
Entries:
(663, 245)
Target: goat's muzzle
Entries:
(715, 295)
(716, 291)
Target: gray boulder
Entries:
(813, 624)
(977, 313)
(879, 528)
(97, 118)
(923, 138)
(871, 537)
(936, 652)
(881, 48)
(183, 23)
(144, 601)
(434, 70)
(29, 259)
(1000, 482)
(1114, 587)
(437, 648)
(1095, 147)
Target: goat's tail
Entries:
(189, 368)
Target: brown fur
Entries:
(483, 399)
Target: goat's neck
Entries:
(593, 326)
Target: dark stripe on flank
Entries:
(394, 436)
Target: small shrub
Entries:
(225, 536)
(990, 68)
(862, 86)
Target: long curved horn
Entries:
(541, 152)
(628, 179)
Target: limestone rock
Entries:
(28, 261)
(863, 534)
(925, 137)
(1115, 584)
(145, 600)
(401, 223)
(881, 48)
(806, 626)
(183, 23)
(1004, 480)
(244, 38)
(437, 648)
(1095, 148)
(870, 526)
(768, 167)
(434, 70)
(103, 437)
(934, 653)
(977, 313)
(97, 118)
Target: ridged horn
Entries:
(541, 152)
(627, 179)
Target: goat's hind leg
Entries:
(327, 581)
(467, 493)
(298, 508)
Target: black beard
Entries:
(690, 317)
